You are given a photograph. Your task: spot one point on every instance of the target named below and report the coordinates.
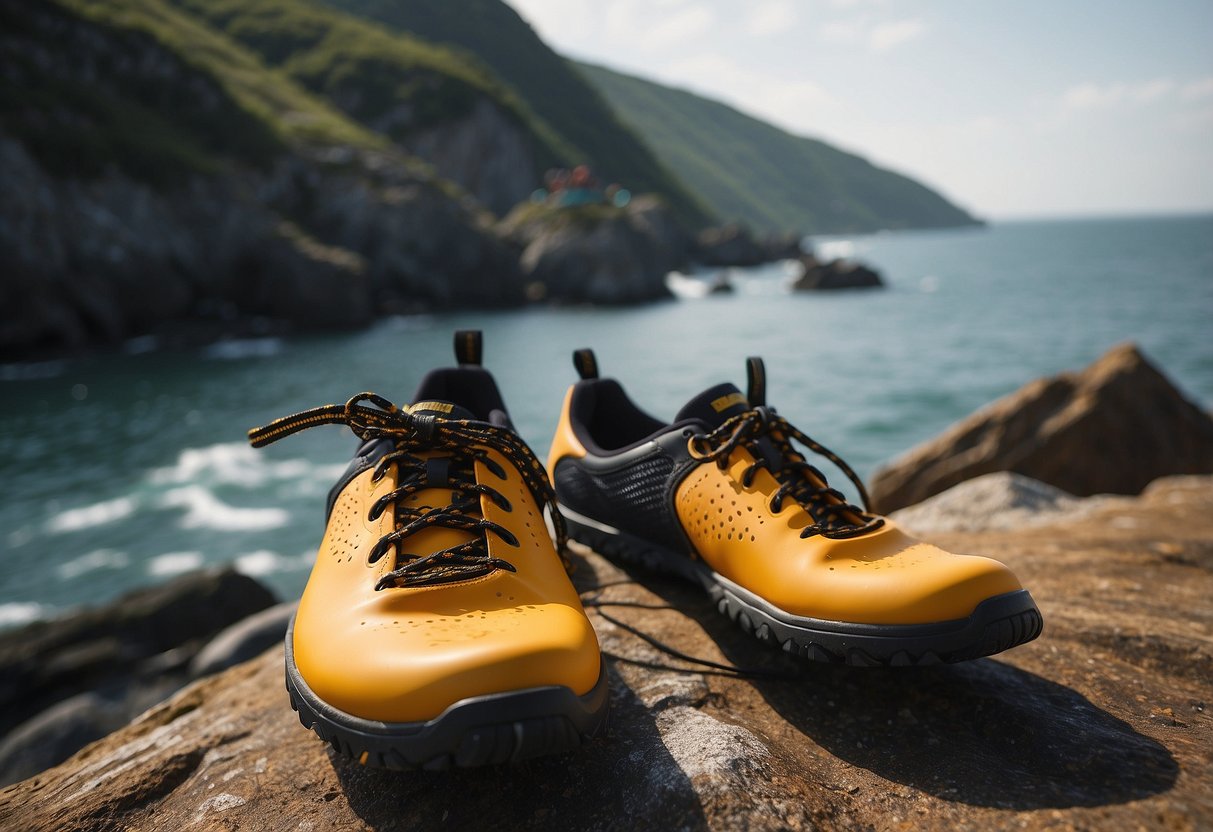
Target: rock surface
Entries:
(1102, 723)
(734, 245)
(1001, 500)
(598, 253)
(1111, 428)
(816, 276)
(71, 680)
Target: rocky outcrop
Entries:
(816, 276)
(1113, 427)
(734, 245)
(68, 681)
(597, 253)
(108, 232)
(1099, 724)
(485, 153)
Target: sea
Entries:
(126, 468)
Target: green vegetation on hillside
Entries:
(292, 112)
(135, 121)
(383, 79)
(554, 90)
(751, 171)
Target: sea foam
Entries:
(20, 612)
(93, 561)
(87, 517)
(203, 510)
(174, 563)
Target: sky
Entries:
(1023, 109)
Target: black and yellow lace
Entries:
(833, 515)
(463, 443)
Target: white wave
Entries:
(265, 562)
(91, 562)
(174, 563)
(33, 371)
(87, 517)
(237, 348)
(20, 612)
(203, 510)
(834, 250)
(234, 463)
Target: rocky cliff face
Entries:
(126, 213)
(1102, 723)
(484, 153)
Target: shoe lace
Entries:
(833, 515)
(465, 442)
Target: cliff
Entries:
(157, 172)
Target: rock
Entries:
(244, 640)
(733, 245)
(1001, 500)
(57, 733)
(1101, 723)
(597, 253)
(1111, 428)
(485, 152)
(130, 653)
(837, 274)
(728, 245)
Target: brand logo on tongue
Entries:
(725, 402)
(440, 407)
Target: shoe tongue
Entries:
(715, 405)
(441, 410)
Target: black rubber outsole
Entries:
(997, 624)
(477, 731)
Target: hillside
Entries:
(416, 94)
(747, 170)
(550, 85)
(161, 179)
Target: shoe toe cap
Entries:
(409, 666)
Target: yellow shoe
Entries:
(723, 498)
(439, 626)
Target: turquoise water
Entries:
(124, 469)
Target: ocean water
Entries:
(124, 469)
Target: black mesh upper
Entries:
(633, 498)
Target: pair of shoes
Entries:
(439, 626)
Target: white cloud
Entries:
(679, 27)
(1091, 96)
(871, 32)
(1195, 90)
(894, 33)
(655, 28)
(771, 18)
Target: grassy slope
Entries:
(368, 70)
(748, 170)
(552, 88)
(292, 112)
(78, 120)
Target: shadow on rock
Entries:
(629, 773)
(983, 732)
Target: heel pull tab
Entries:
(756, 376)
(469, 347)
(586, 363)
